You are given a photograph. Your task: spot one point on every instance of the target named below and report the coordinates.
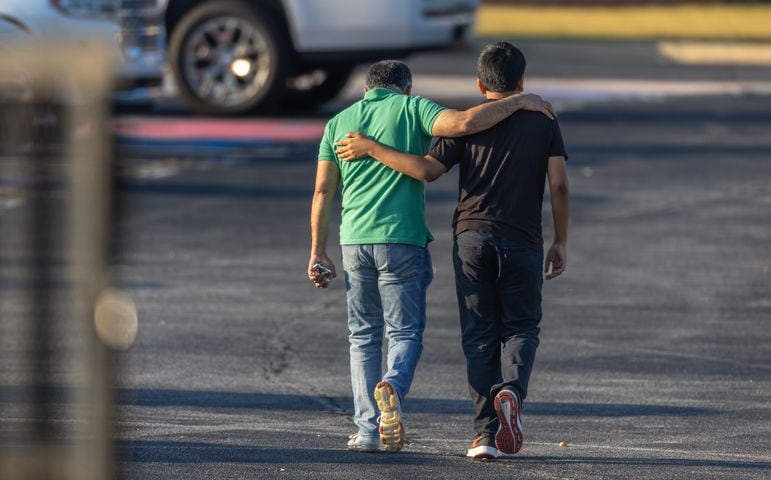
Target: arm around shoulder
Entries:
(356, 146)
(420, 168)
(452, 123)
(455, 123)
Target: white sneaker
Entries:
(391, 427)
(357, 443)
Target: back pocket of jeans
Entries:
(403, 260)
(351, 257)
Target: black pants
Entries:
(499, 299)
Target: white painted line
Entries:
(721, 53)
(578, 90)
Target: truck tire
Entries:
(335, 79)
(228, 58)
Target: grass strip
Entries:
(719, 22)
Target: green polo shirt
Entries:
(381, 205)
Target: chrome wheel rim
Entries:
(227, 61)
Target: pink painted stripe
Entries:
(219, 129)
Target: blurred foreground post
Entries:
(58, 322)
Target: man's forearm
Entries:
(411, 165)
(453, 123)
(320, 211)
(483, 116)
(560, 208)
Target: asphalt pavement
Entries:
(654, 360)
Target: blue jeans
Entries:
(386, 287)
(499, 299)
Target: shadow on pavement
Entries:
(149, 451)
(153, 187)
(213, 399)
(241, 191)
(213, 190)
(649, 462)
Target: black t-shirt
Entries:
(502, 175)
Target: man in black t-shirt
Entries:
(498, 249)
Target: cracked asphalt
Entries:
(654, 361)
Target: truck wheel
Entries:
(319, 87)
(228, 58)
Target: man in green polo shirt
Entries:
(383, 234)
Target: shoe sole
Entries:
(391, 427)
(508, 438)
(482, 452)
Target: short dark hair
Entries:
(501, 66)
(389, 74)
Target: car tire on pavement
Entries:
(229, 58)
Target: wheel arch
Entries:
(177, 9)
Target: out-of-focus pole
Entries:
(66, 329)
(89, 223)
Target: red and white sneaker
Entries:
(483, 447)
(508, 439)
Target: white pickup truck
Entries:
(234, 56)
(231, 56)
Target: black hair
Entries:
(389, 74)
(501, 66)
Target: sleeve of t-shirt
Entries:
(428, 112)
(327, 146)
(557, 148)
(448, 151)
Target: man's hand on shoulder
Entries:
(354, 146)
(534, 103)
(556, 261)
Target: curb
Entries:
(210, 135)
